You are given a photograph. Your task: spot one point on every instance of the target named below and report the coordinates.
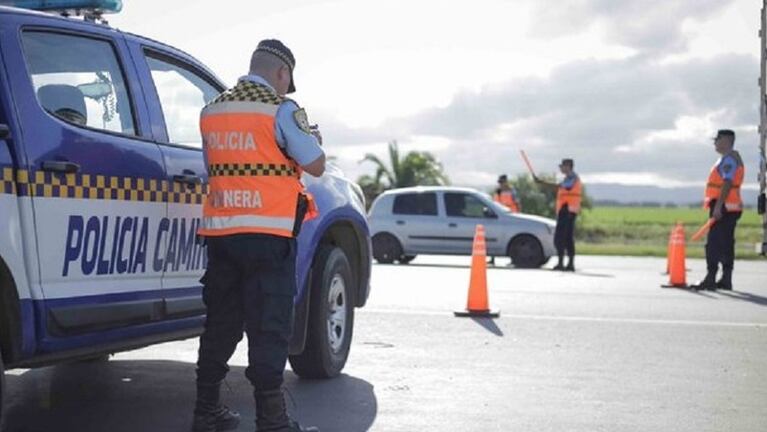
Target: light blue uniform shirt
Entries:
(569, 181)
(302, 147)
(727, 167)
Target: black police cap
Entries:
(568, 162)
(278, 49)
(725, 133)
(503, 178)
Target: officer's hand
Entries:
(315, 130)
(717, 214)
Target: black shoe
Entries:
(707, 284)
(570, 264)
(272, 416)
(559, 267)
(209, 414)
(725, 283)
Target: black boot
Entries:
(725, 283)
(272, 416)
(707, 284)
(570, 264)
(559, 266)
(209, 414)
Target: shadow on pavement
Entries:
(489, 325)
(593, 275)
(741, 295)
(131, 396)
(459, 266)
(690, 290)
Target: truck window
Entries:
(79, 80)
(182, 95)
(422, 204)
(465, 205)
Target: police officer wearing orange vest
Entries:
(256, 145)
(569, 193)
(506, 195)
(725, 205)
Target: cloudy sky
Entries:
(630, 89)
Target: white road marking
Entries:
(575, 318)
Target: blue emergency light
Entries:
(101, 6)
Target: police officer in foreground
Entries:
(722, 198)
(507, 196)
(256, 144)
(569, 194)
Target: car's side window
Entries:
(420, 204)
(466, 205)
(79, 80)
(182, 94)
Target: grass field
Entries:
(644, 231)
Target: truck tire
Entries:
(526, 251)
(331, 317)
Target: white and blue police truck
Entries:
(101, 188)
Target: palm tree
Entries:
(416, 168)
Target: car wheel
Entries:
(526, 251)
(331, 317)
(406, 259)
(386, 248)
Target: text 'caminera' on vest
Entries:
(236, 199)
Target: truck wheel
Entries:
(331, 317)
(526, 251)
(386, 248)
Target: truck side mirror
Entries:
(5, 131)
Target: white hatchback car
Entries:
(441, 220)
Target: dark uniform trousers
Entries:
(720, 244)
(564, 233)
(249, 285)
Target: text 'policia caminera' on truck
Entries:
(115, 245)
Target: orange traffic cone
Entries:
(677, 267)
(668, 250)
(478, 304)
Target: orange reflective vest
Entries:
(253, 186)
(733, 201)
(506, 197)
(571, 197)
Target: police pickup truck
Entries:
(101, 184)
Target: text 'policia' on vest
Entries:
(254, 186)
(733, 202)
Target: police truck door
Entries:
(95, 179)
(181, 90)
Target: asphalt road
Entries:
(604, 349)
